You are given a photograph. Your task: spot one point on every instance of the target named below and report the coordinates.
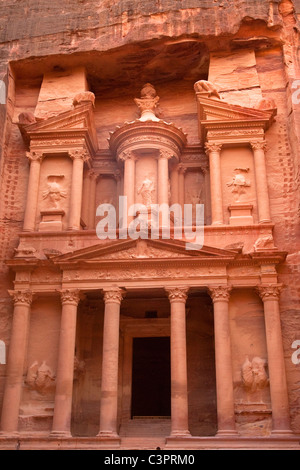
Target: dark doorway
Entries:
(151, 377)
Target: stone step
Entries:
(146, 427)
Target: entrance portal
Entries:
(151, 377)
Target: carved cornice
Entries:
(213, 147)
(114, 295)
(177, 294)
(220, 293)
(269, 291)
(259, 145)
(70, 296)
(21, 297)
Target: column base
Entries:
(60, 434)
(282, 433)
(179, 434)
(227, 433)
(9, 434)
(108, 435)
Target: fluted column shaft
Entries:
(16, 361)
(32, 190)
(223, 360)
(65, 366)
(263, 202)
(129, 184)
(181, 185)
(78, 157)
(179, 392)
(92, 201)
(163, 177)
(213, 151)
(110, 364)
(278, 385)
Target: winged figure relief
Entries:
(254, 375)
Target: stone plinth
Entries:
(240, 214)
(51, 220)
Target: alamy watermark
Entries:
(296, 354)
(154, 221)
(296, 93)
(2, 92)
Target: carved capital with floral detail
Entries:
(269, 291)
(21, 297)
(165, 154)
(34, 156)
(177, 294)
(212, 147)
(115, 295)
(259, 145)
(127, 155)
(82, 154)
(70, 296)
(220, 293)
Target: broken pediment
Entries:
(79, 120)
(216, 114)
(142, 250)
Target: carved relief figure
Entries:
(254, 375)
(54, 192)
(40, 378)
(264, 243)
(239, 183)
(146, 190)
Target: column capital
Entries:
(220, 293)
(21, 297)
(92, 174)
(259, 145)
(269, 291)
(79, 154)
(177, 294)
(70, 296)
(181, 169)
(213, 147)
(166, 154)
(127, 155)
(114, 294)
(35, 156)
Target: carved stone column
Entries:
(129, 183)
(92, 202)
(179, 394)
(174, 185)
(86, 198)
(163, 176)
(224, 377)
(33, 190)
(278, 386)
(16, 361)
(181, 185)
(78, 157)
(110, 364)
(65, 366)
(263, 202)
(213, 150)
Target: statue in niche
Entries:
(147, 103)
(54, 192)
(40, 378)
(239, 183)
(146, 191)
(254, 375)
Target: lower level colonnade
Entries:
(108, 421)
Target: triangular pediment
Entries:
(218, 110)
(141, 250)
(79, 119)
